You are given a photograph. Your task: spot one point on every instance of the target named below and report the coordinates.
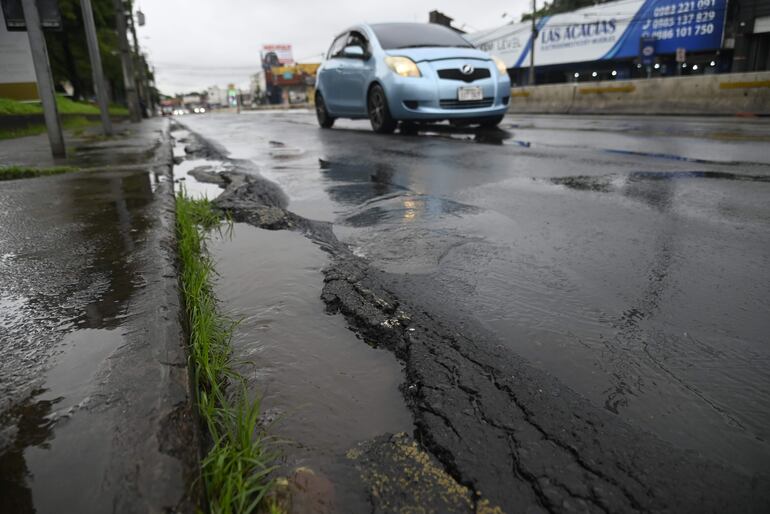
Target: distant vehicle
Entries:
(409, 72)
(181, 111)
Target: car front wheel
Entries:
(491, 122)
(324, 119)
(379, 114)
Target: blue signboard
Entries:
(613, 30)
(692, 24)
(647, 51)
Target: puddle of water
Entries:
(66, 277)
(286, 152)
(326, 389)
(43, 466)
(402, 207)
(180, 140)
(193, 187)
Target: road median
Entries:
(728, 94)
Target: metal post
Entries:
(532, 47)
(128, 66)
(96, 66)
(44, 79)
(142, 85)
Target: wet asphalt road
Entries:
(629, 259)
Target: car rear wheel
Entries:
(379, 114)
(491, 122)
(324, 119)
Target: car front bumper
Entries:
(433, 99)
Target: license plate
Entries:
(467, 94)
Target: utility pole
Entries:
(142, 84)
(96, 66)
(44, 79)
(532, 46)
(129, 82)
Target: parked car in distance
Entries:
(409, 73)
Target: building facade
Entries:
(748, 35)
(635, 39)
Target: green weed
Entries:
(236, 469)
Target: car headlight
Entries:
(500, 65)
(403, 66)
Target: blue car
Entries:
(409, 73)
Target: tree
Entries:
(68, 51)
(560, 6)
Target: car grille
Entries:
(470, 104)
(456, 74)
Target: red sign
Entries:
(282, 53)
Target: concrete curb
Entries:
(161, 468)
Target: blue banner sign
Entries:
(610, 31)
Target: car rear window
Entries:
(415, 35)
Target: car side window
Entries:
(337, 46)
(358, 39)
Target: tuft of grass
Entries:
(236, 469)
(17, 172)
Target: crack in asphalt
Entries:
(505, 430)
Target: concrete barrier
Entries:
(727, 94)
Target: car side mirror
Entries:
(353, 52)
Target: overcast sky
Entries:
(194, 44)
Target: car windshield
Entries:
(416, 35)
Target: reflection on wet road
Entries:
(64, 298)
(628, 258)
(323, 390)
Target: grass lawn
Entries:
(75, 115)
(16, 172)
(70, 122)
(10, 107)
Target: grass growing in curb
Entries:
(237, 466)
(16, 172)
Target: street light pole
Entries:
(96, 65)
(142, 84)
(44, 80)
(129, 82)
(532, 46)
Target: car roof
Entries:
(404, 24)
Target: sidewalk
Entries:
(95, 405)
